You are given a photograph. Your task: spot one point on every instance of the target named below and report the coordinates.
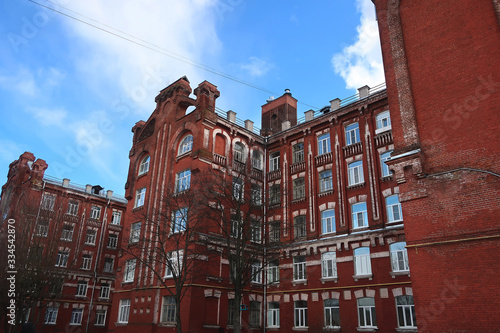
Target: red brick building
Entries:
(443, 82)
(332, 216)
(67, 238)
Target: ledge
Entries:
(394, 274)
(301, 329)
(359, 277)
(407, 329)
(367, 329)
(167, 324)
(332, 329)
(329, 279)
(296, 282)
(324, 194)
(355, 186)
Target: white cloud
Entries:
(49, 117)
(21, 82)
(361, 63)
(257, 67)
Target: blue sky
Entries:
(70, 92)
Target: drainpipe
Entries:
(265, 238)
(99, 249)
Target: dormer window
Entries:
(144, 166)
(186, 145)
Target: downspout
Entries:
(99, 249)
(265, 238)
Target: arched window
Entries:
(239, 152)
(186, 144)
(257, 160)
(144, 166)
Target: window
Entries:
(385, 168)
(366, 312)
(179, 220)
(128, 275)
(383, 120)
(186, 145)
(90, 237)
(257, 160)
(72, 208)
(324, 144)
(95, 212)
(359, 215)
(51, 315)
(298, 153)
(56, 285)
(352, 134)
(256, 195)
(116, 217)
(62, 259)
(144, 166)
(230, 312)
(238, 189)
(81, 288)
(108, 265)
(273, 314)
(256, 272)
(406, 312)
(124, 311)
(235, 227)
(394, 212)
(299, 268)
(112, 241)
(274, 161)
(104, 291)
(274, 195)
(174, 263)
(86, 261)
(255, 232)
(140, 195)
(168, 309)
(67, 232)
(48, 201)
(299, 189)
(239, 152)
(182, 181)
(300, 313)
(273, 272)
(135, 232)
(399, 257)
(42, 228)
(76, 317)
(299, 223)
(274, 232)
(332, 313)
(362, 264)
(325, 181)
(329, 264)
(355, 173)
(254, 316)
(100, 318)
(328, 221)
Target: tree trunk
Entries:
(236, 313)
(178, 314)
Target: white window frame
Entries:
(90, 237)
(144, 165)
(399, 257)
(359, 215)
(238, 189)
(239, 152)
(273, 315)
(299, 268)
(405, 312)
(95, 212)
(325, 181)
(274, 161)
(274, 194)
(300, 226)
(116, 217)
(300, 314)
(298, 153)
(255, 232)
(176, 259)
(329, 264)
(86, 261)
(67, 232)
(186, 145)
(386, 172)
(112, 241)
(76, 317)
(51, 315)
(383, 122)
(140, 196)
(367, 317)
(42, 228)
(352, 135)
(182, 181)
(105, 291)
(254, 314)
(256, 272)
(62, 259)
(362, 261)
(355, 173)
(275, 231)
(109, 264)
(273, 272)
(129, 271)
(257, 160)
(256, 194)
(179, 220)
(135, 232)
(81, 288)
(299, 188)
(394, 212)
(48, 201)
(72, 208)
(328, 221)
(331, 311)
(124, 311)
(100, 317)
(168, 309)
(324, 146)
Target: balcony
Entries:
(354, 149)
(257, 174)
(383, 139)
(297, 167)
(219, 159)
(273, 175)
(324, 159)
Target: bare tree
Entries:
(169, 245)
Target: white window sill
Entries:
(332, 329)
(364, 276)
(167, 324)
(329, 279)
(367, 329)
(399, 273)
(407, 329)
(301, 329)
(356, 229)
(296, 282)
(383, 129)
(394, 222)
(357, 185)
(121, 324)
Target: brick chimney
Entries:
(276, 111)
